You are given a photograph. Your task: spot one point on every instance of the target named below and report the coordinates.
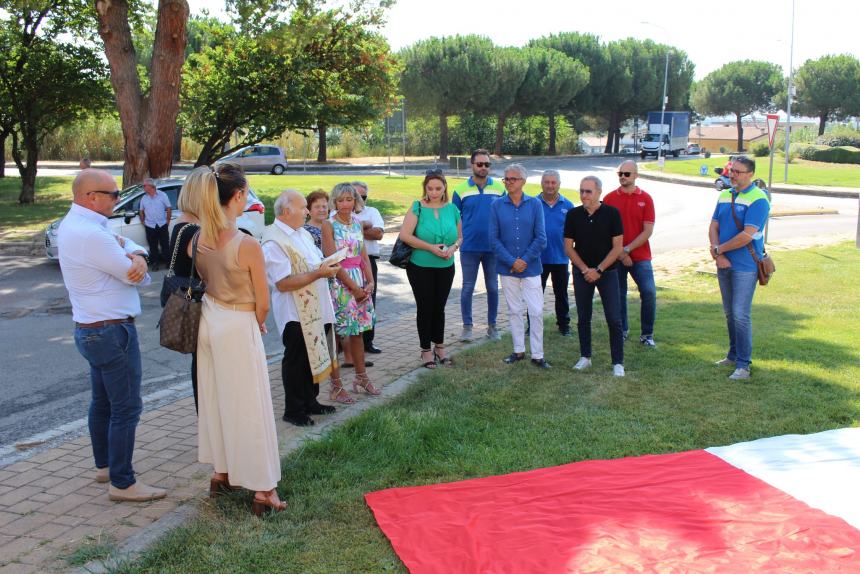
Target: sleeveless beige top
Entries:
(225, 280)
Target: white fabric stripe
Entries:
(821, 470)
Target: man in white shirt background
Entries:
(302, 341)
(101, 272)
(155, 215)
(373, 226)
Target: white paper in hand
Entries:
(334, 258)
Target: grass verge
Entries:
(800, 172)
(483, 418)
(390, 195)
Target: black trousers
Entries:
(300, 392)
(431, 286)
(368, 335)
(560, 278)
(583, 292)
(158, 239)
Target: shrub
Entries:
(843, 154)
(839, 136)
(761, 149)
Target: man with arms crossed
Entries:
(101, 272)
(473, 198)
(637, 216)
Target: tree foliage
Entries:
(447, 76)
(829, 88)
(739, 88)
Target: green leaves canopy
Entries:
(829, 88)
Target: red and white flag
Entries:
(781, 504)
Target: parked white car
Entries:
(259, 158)
(125, 220)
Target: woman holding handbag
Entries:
(433, 228)
(236, 423)
(180, 273)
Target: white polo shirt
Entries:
(278, 266)
(94, 268)
(372, 215)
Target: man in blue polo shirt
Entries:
(473, 198)
(553, 258)
(735, 233)
(517, 236)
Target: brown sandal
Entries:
(446, 361)
(361, 381)
(262, 505)
(219, 486)
(428, 364)
(339, 394)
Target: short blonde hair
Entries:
(342, 189)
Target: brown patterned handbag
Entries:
(180, 318)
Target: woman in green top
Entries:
(432, 227)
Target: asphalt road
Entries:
(45, 381)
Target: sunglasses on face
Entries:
(625, 173)
(483, 164)
(113, 194)
(737, 171)
(511, 179)
(586, 191)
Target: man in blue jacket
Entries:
(518, 236)
(473, 198)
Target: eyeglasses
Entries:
(625, 173)
(113, 194)
(581, 191)
(483, 164)
(737, 172)
(511, 179)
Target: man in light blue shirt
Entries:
(554, 259)
(102, 272)
(517, 236)
(155, 215)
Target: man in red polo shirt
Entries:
(637, 216)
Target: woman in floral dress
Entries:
(352, 288)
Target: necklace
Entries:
(340, 220)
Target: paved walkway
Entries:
(50, 504)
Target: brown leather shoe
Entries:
(103, 475)
(137, 492)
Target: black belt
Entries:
(105, 323)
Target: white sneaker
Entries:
(725, 362)
(618, 370)
(740, 374)
(493, 333)
(466, 336)
(582, 364)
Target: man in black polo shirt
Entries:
(593, 240)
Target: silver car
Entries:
(125, 220)
(258, 158)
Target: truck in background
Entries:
(675, 131)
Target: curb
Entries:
(839, 192)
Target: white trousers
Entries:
(525, 292)
(236, 424)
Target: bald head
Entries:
(92, 189)
(628, 171)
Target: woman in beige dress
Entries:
(236, 423)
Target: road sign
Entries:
(772, 122)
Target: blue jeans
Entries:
(583, 292)
(737, 289)
(643, 276)
(115, 372)
(469, 261)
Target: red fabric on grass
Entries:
(685, 512)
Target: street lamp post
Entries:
(790, 95)
(661, 159)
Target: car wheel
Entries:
(278, 169)
(718, 183)
(643, 155)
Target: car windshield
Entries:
(656, 138)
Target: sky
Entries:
(754, 29)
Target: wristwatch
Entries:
(627, 250)
(716, 249)
(599, 270)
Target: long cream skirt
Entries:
(236, 421)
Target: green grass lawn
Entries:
(800, 172)
(484, 418)
(390, 195)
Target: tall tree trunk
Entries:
(147, 123)
(443, 137)
(740, 125)
(551, 145)
(822, 120)
(322, 152)
(3, 137)
(611, 133)
(500, 132)
(28, 173)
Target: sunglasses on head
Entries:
(113, 194)
(483, 164)
(435, 171)
(625, 173)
